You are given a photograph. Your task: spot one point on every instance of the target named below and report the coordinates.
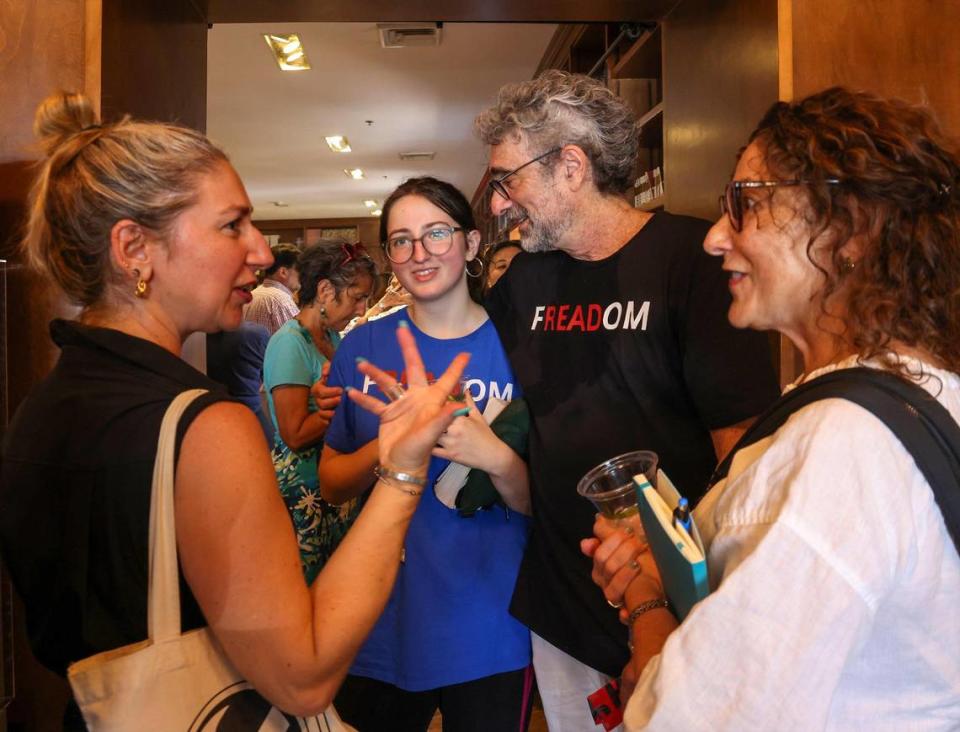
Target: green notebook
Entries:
(679, 554)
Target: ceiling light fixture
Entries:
(338, 143)
(280, 204)
(376, 212)
(288, 51)
(355, 173)
(370, 203)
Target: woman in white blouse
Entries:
(836, 585)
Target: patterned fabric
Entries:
(272, 306)
(292, 359)
(320, 526)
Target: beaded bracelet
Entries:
(393, 477)
(646, 607)
(639, 610)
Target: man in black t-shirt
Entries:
(614, 320)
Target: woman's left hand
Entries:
(620, 554)
(411, 424)
(327, 398)
(470, 441)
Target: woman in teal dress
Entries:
(335, 283)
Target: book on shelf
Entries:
(677, 550)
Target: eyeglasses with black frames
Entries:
(731, 202)
(436, 241)
(497, 184)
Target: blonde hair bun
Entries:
(60, 116)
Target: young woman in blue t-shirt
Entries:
(446, 639)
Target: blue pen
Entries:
(681, 515)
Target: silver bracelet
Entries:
(644, 607)
(639, 610)
(393, 476)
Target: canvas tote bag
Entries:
(174, 681)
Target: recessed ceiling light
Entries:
(288, 51)
(370, 203)
(376, 212)
(338, 143)
(355, 173)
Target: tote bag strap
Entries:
(163, 597)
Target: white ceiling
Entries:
(272, 123)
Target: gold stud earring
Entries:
(141, 289)
(847, 265)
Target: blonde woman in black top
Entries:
(147, 228)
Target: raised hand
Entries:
(327, 398)
(413, 421)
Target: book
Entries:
(679, 554)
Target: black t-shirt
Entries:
(627, 353)
(75, 490)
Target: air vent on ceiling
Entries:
(404, 35)
(417, 155)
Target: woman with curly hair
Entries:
(335, 282)
(835, 580)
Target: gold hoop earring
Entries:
(479, 273)
(141, 288)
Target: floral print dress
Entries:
(292, 359)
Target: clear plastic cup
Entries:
(609, 486)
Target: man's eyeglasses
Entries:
(731, 202)
(497, 183)
(437, 241)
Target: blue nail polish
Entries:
(360, 359)
(403, 324)
(462, 412)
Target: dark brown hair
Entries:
(899, 178)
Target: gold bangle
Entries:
(395, 477)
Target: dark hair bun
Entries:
(59, 116)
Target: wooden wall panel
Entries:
(904, 48)
(155, 61)
(719, 76)
(486, 11)
(41, 50)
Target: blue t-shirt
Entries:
(447, 620)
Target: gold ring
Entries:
(394, 393)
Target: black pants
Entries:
(498, 703)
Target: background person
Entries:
(615, 329)
(498, 258)
(446, 639)
(147, 228)
(335, 283)
(835, 579)
(273, 301)
(235, 359)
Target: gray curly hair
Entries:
(558, 108)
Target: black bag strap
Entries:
(919, 421)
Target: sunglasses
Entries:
(353, 253)
(731, 202)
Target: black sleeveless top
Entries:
(75, 490)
